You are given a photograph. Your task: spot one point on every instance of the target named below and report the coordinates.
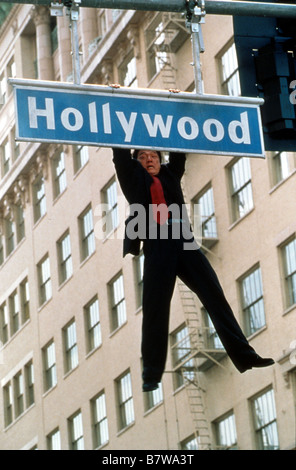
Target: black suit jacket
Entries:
(135, 183)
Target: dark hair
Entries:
(136, 151)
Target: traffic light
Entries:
(266, 51)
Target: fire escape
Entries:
(165, 34)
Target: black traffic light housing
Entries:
(266, 51)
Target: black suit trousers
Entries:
(165, 259)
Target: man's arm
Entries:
(177, 163)
(124, 166)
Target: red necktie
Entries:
(160, 214)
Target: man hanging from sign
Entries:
(170, 252)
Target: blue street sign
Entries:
(108, 117)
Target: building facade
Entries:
(70, 304)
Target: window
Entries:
(18, 393)
(64, 258)
(282, 163)
(118, 308)
(181, 349)
(100, 422)
(39, 200)
(8, 404)
(70, 345)
(14, 230)
(45, 291)
(59, 174)
(76, 432)
(153, 398)
(5, 150)
(49, 364)
(110, 199)
(3, 87)
(87, 235)
(139, 272)
(14, 308)
(54, 440)
(252, 301)
(189, 444)
(15, 146)
(29, 383)
(8, 72)
(207, 213)
(125, 401)
(10, 236)
(4, 322)
(229, 72)
(264, 414)
(25, 300)
(9, 152)
(241, 188)
(226, 433)
(20, 223)
(128, 72)
(93, 325)
(289, 258)
(15, 311)
(80, 157)
(53, 34)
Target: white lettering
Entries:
(107, 118)
(243, 125)
(128, 127)
(93, 121)
(219, 131)
(78, 119)
(293, 94)
(48, 113)
(152, 128)
(193, 128)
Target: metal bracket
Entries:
(196, 17)
(72, 10)
(57, 9)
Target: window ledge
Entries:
(256, 333)
(126, 428)
(289, 309)
(232, 226)
(66, 375)
(88, 257)
(283, 181)
(117, 329)
(18, 418)
(45, 303)
(90, 353)
(154, 407)
(63, 283)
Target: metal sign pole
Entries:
(74, 16)
(194, 21)
(213, 7)
(73, 12)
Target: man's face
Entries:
(150, 161)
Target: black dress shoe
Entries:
(257, 362)
(150, 386)
(263, 362)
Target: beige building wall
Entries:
(31, 410)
